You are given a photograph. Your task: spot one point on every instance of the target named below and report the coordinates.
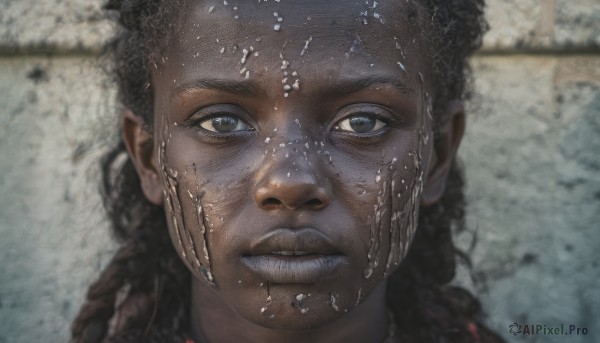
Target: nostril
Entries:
(271, 202)
(314, 203)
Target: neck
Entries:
(212, 320)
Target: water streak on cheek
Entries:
(205, 269)
(408, 217)
(380, 210)
(171, 198)
(186, 244)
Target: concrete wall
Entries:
(532, 154)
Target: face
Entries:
(292, 140)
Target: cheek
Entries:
(186, 218)
(389, 206)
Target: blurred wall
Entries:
(532, 156)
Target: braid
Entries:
(146, 265)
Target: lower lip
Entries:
(293, 269)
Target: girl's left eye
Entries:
(224, 124)
(361, 123)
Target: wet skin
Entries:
(290, 201)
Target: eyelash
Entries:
(383, 121)
(383, 117)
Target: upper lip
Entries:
(291, 241)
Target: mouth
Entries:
(293, 256)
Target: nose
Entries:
(292, 184)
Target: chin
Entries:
(289, 318)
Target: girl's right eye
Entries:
(224, 124)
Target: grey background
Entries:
(532, 154)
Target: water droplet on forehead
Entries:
(277, 27)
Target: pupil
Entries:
(224, 124)
(362, 124)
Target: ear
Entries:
(444, 153)
(140, 146)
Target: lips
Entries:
(293, 256)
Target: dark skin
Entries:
(291, 201)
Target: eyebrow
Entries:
(349, 86)
(251, 88)
(244, 88)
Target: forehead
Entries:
(333, 39)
